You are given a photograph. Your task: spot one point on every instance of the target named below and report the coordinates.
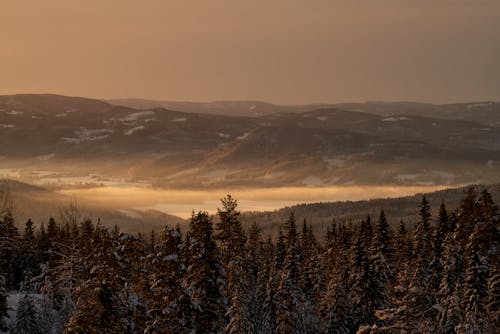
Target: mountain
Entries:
(486, 113)
(227, 108)
(61, 141)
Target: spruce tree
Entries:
(291, 312)
(205, 276)
(476, 287)
(4, 307)
(437, 255)
(171, 308)
(421, 296)
(26, 317)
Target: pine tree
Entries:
(476, 287)
(450, 292)
(437, 255)
(232, 242)
(26, 318)
(291, 308)
(421, 296)
(99, 304)
(383, 246)
(3, 305)
(259, 260)
(171, 308)
(205, 277)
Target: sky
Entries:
(281, 51)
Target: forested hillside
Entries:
(75, 276)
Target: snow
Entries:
(134, 117)
(396, 119)
(321, 118)
(243, 136)
(46, 157)
(224, 135)
(180, 119)
(479, 105)
(85, 134)
(13, 300)
(6, 126)
(134, 130)
(171, 257)
(15, 112)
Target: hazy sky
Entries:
(283, 51)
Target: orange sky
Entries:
(283, 51)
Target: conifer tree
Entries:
(437, 255)
(205, 277)
(476, 287)
(232, 242)
(3, 305)
(290, 298)
(171, 308)
(450, 293)
(259, 260)
(421, 296)
(99, 304)
(383, 248)
(26, 317)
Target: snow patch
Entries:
(84, 135)
(6, 126)
(479, 105)
(15, 112)
(224, 135)
(322, 118)
(134, 130)
(243, 136)
(179, 119)
(396, 119)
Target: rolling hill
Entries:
(62, 141)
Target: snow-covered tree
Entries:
(205, 277)
(291, 311)
(26, 317)
(170, 309)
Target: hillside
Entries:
(40, 204)
(321, 215)
(60, 141)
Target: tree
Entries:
(442, 230)
(421, 296)
(26, 318)
(450, 292)
(171, 308)
(476, 288)
(205, 276)
(3, 305)
(290, 309)
(99, 304)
